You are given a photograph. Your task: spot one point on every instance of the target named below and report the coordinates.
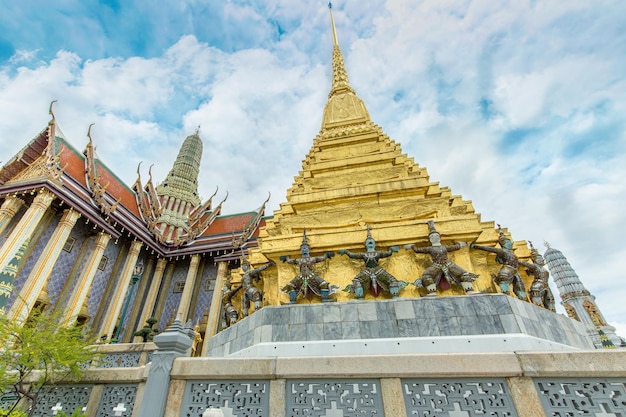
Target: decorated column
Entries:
(108, 326)
(148, 306)
(216, 306)
(9, 208)
(190, 283)
(26, 226)
(82, 288)
(38, 278)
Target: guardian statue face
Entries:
(305, 250)
(435, 239)
(370, 244)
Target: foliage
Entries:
(148, 331)
(14, 413)
(42, 350)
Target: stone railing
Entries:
(498, 384)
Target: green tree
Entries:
(42, 350)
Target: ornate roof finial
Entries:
(198, 130)
(89, 132)
(546, 244)
(50, 110)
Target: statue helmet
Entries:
(369, 237)
(305, 242)
(431, 228)
(504, 241)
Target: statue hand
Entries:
(283, 258)
(471, 246)
(462, 244)
(330, 254)
(394, 248)
(409, 246)
(341, 251)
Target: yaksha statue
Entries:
(540, 293)
(229, 312)
(508, 274)
(251, 292)
(307, 282)
(442, 267)
(373, 277)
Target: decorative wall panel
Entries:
(582, 397)
(334, 398)
(235, 398)
(458, 398)
(117, 400)
(68, 398)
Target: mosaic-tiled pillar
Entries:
(38, 278)
(83, 286)
(216, 306)
(24, 229)
(190, 283)
(110, 320)
(9, 208)
(155, 284)
(7, 277)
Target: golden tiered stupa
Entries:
(353, 177)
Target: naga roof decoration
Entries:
(98, 191)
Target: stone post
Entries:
(174, 342)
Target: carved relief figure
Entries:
(251, 292)
(373, 277)
(229, 312)
(540, 293)
(508, 274)
(442, 267)
(307, 282)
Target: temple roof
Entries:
(85, 183)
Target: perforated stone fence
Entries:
(586, 383)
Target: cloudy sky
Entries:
(517, 105)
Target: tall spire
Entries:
(178, 193)
(343, 107)
(340, 75)
(578, 302)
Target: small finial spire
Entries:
(546, 244)
(332, 23)
(89, 131)
(198, 130)
(50, 110)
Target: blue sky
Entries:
(519, 106)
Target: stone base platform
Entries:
(471, 323)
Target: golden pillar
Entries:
(83, 286)
(216, 306)
(38, 278)
(153, 292)
(9, 208)
(112, 315)
(26, 226)
(190, 283)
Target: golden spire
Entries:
(332, 23)
(343, 107)
(340, 75)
